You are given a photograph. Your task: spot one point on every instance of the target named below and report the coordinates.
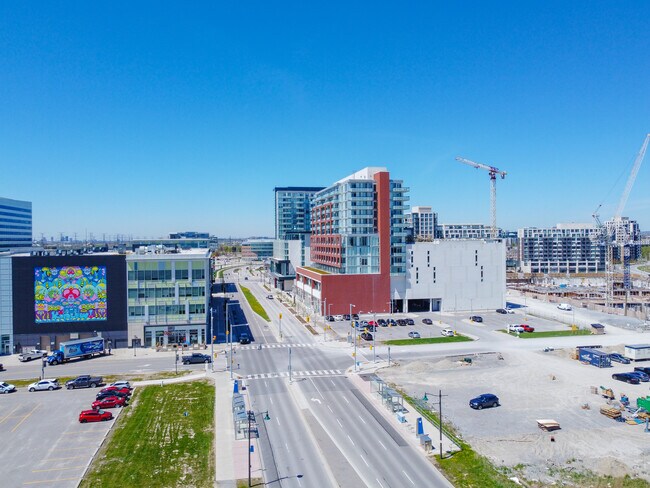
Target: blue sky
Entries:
(149, 117)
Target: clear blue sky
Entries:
(148, 117)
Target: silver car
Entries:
(44, 385)
(6, 387)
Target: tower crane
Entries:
(618, 235)
(493, 172)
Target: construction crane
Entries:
(493, 172)
(618, 235)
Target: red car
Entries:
(372, 323)
(94, 416)
(527, 328)
(109, 402)
(124, 390)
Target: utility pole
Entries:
(355, 337)
(426, 399)
(212, 338)
(374, 350)
(290, 378)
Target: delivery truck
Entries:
(80, 348)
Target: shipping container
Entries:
(637, 352)
(595, 357)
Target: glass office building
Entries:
(292, 211)
(15, 224)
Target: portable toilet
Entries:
(597, 329)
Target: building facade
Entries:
(15, 224)
(566, 248)
(287, 256)
(6, 305)
(167, 297)
(293, 211)
(257, 248)
(424, 222)
(358, 240)
(466, 231)
(625, 230)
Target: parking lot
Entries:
(43, 443)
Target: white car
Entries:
(338, 318)
(122, 384)
(515, 328)
(447, 332)
(509, 310)
(564, 306)
(6, 387)
(44, 385)
(414, 335)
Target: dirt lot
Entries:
(535, 385)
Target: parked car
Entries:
(509, 310)
(392, 322)
(84, 381)
(338, 318)
(515, 328)
(476, 318)
(401, 322)
(484, 400)
(366, 336)
(117, 393)
(94, 416)
(270, 297)
(427, 321)
(564, 306)
(527, 328)
(410, 321)
(447, 332)
(2, 368)
(382, 322)
(355, 316)
(31, 355)
(619, 358)
(414, 334)
(502, 310)
(643, 369)
(626, 377)
(372, 323)
(330, 318)
(244, 338)
(113, 389)
(109, 402)
(641, 375)
(346, 316)
(196, 358)
(44, 385)
(122, 384)
(6, 387)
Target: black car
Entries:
(626, 377)
(346, 316)
(410, 321)
(84, 381)
(355, 316)
(401, 322)
(366, 336)
(427, 321)
(330, 318)
(197, 358)
(244, 338)
(476, 318)
(619, 358)
(2, 368)
(502, 310)
(643, 369)
(382, 323)
(484, 400)
(392, 323)
(105, 394)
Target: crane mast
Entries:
(493, 172)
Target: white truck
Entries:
(31, 355)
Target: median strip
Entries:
(255, 305)
(428, 340)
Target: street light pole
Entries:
(230, 334)
(355, 337)
(426, 399)
(290, 377)
(374, 336)
(212, 338)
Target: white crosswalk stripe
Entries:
(273, 346)
(285, 374)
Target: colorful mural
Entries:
(70, 294)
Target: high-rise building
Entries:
(292, 211)
(15, 224)
(625, 230)
(424, 222)
(566, 248)
(358, 240)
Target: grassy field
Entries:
(255, 305)
(550, 333)
(164, 439)
(427, 340)
(107, 378)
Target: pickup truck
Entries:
(31, 355)
(196, 358)
(84, 381)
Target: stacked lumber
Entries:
(610, 412)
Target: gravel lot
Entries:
(535, 385)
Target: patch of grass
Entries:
(645, 268)
(255, 305)
(109, 378)
(316, 270)
(254, 482)
(427, 340)
(25, 382)
(155, 444)
(549, 333)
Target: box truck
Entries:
(80, 348)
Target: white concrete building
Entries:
(424, 222)
(287, 256)
(455, 275)
(466, 231)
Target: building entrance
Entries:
(5, 345)
(178, 334)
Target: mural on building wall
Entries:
(70, 294)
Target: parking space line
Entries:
(7, 416)
(63, 458)
(52, 482)
(25, 418)
(56, 469)
(85, 446)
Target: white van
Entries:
(447, 332)
(564, 306)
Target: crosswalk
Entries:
(273, 346)
(285, 374)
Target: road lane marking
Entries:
(266, 384)
(351, 440)
(409, 478)
(332, 381)
(25, 418)
(340, 424)
(56, 469)
(321, 395)
(63, 458)
(364, 460)
(7, 416)
(277, 420)
(51, 482)
(330, 408)
(287, 446)
(271, 399)
(362, 419)
(382, 444)
(382, 486)
(346, 400)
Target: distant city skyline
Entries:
(187, 117)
